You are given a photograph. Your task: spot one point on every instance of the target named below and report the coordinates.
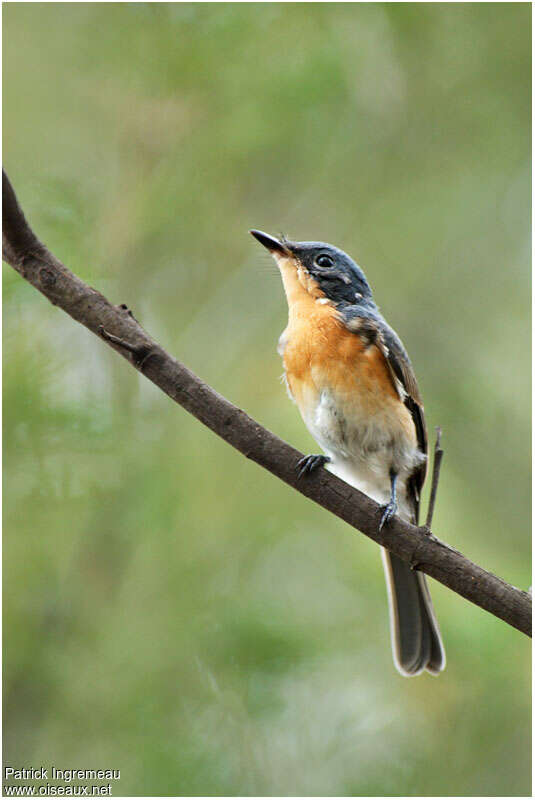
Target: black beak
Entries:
(272, 244)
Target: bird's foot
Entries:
(308, 464)
(389, 511)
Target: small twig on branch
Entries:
(139, 352)
(119, 342)
(437, 461)
(117, 327)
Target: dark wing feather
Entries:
(400, 364)
(369, 323)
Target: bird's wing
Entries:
(369, 322)
(401, 368)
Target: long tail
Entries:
(416, 640)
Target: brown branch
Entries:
(117, 327)
(437, 461)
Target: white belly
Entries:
(364, 447)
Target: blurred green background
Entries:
(170, 609)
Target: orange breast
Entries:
(320, 353)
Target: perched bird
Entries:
(355, 387)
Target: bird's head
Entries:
(321, 270)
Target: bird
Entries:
(355, 388)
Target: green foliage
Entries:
(170, 609)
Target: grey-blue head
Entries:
(336, 274)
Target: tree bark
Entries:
(119, 329)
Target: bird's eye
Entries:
(324, 261)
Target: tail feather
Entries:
(416, 641)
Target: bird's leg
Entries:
(391, 507)
(308, 464)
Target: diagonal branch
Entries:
(117, 327)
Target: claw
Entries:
(308, 464)
(388, 513)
